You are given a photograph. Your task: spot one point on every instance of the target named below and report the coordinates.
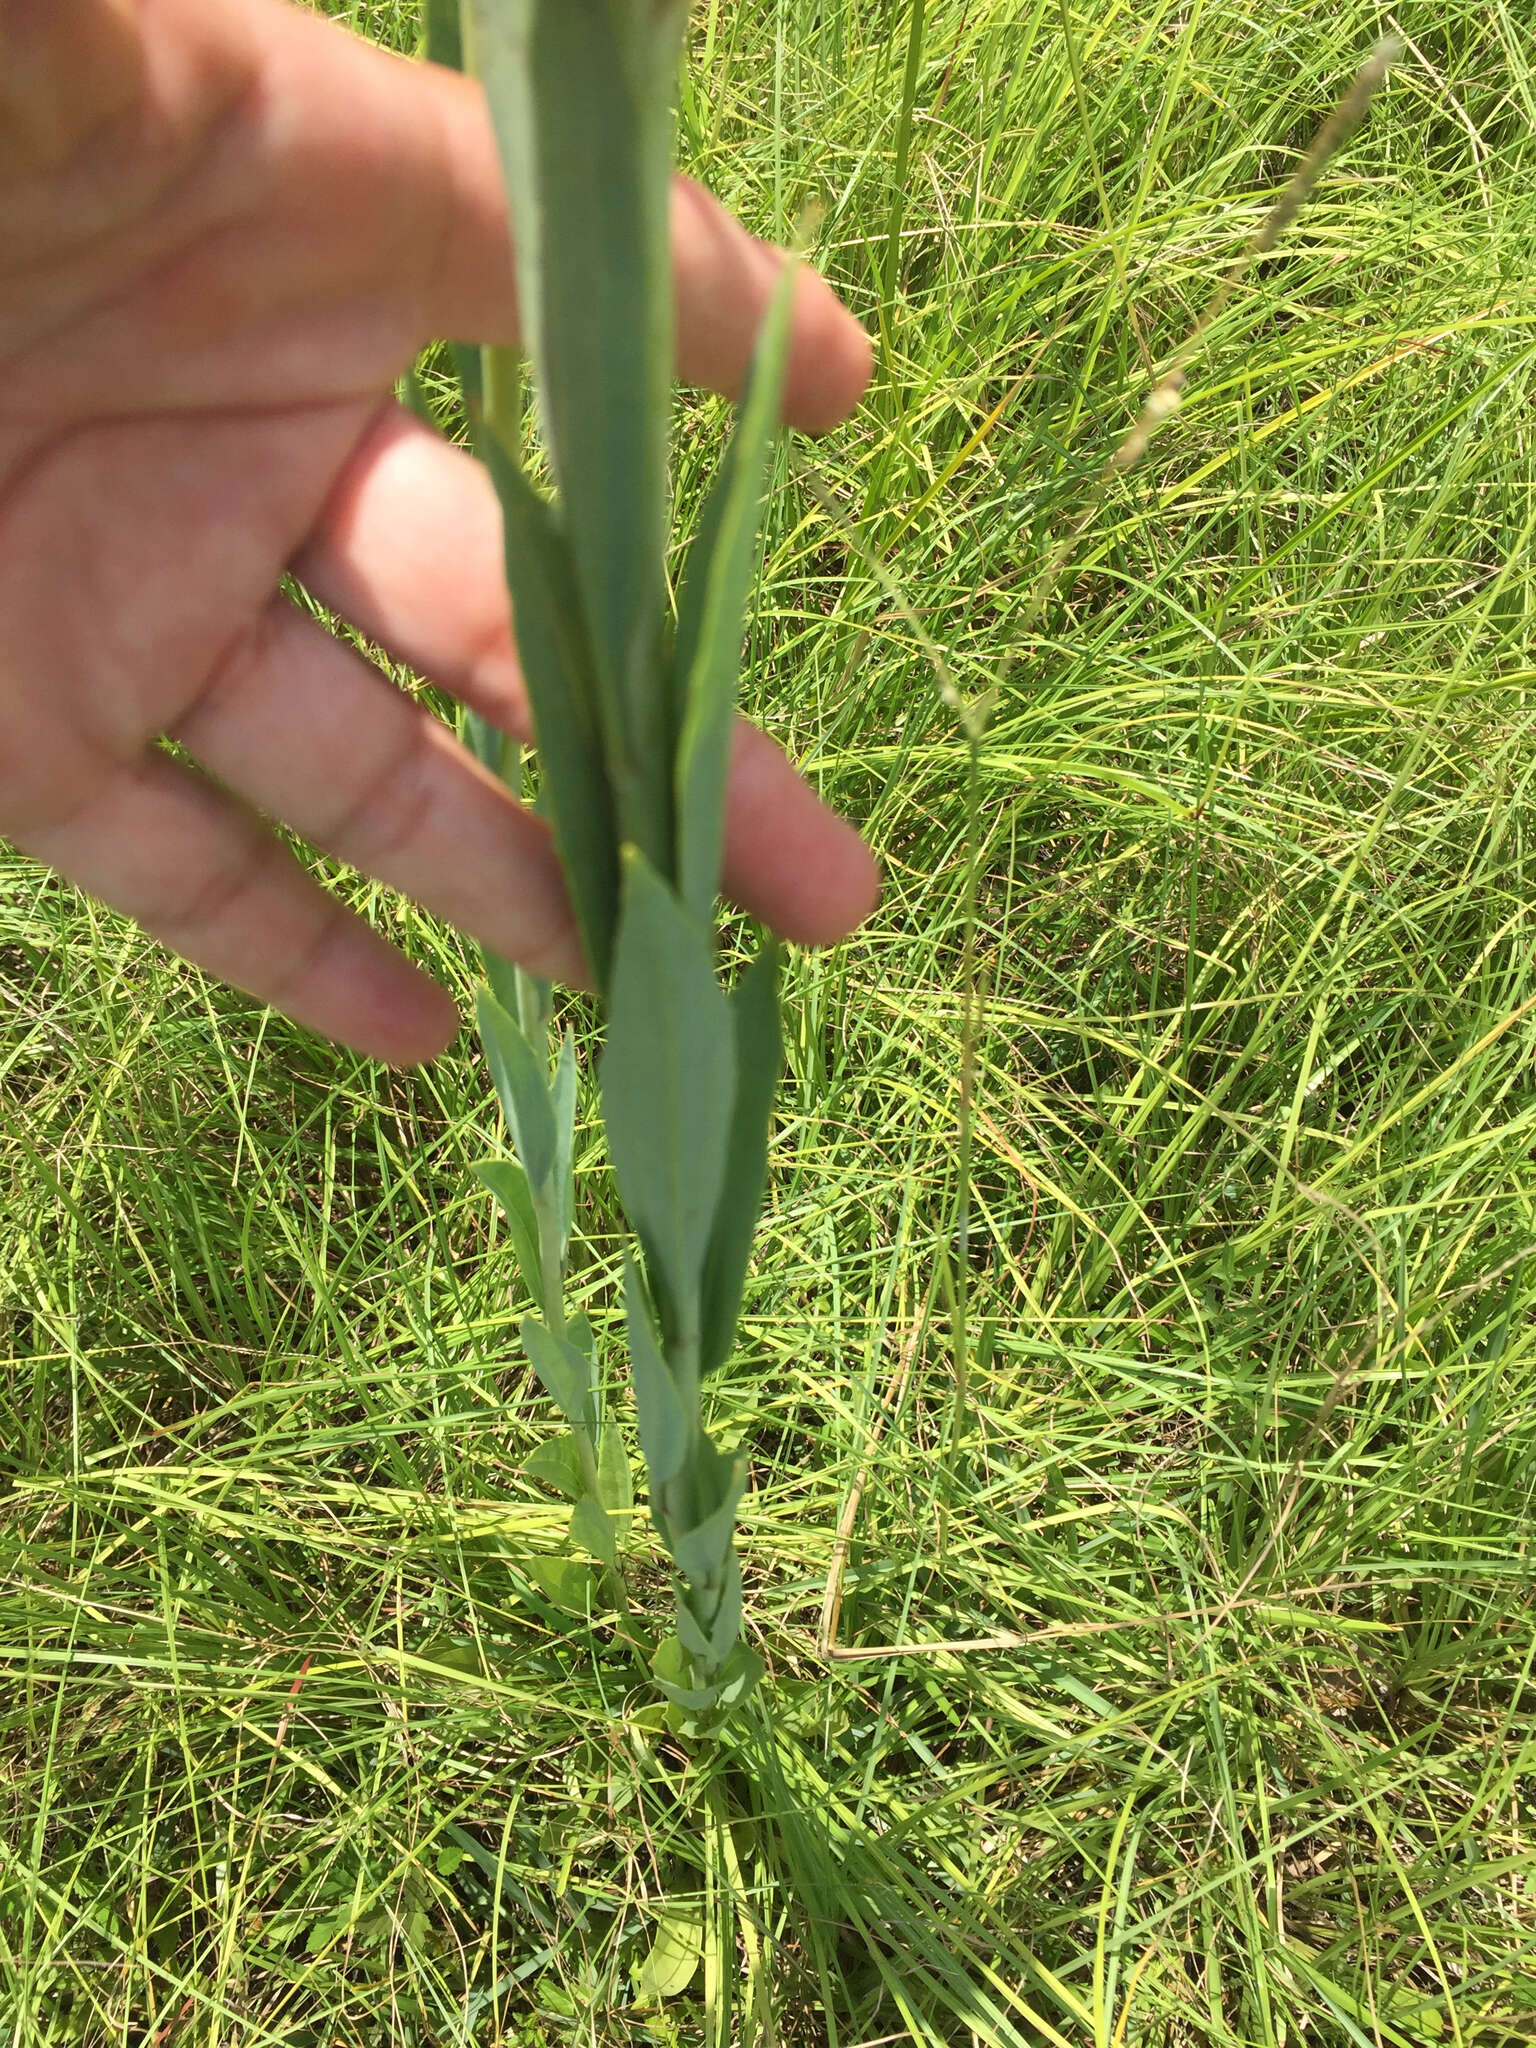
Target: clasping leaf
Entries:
(669, 1082)
(523, 1087)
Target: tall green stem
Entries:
(914, 66)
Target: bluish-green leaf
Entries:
(616, 1486)
(557, 1464)
(523, 1086)
(759, 1063)
(672, 1670)
(712, 611)
(664, 1423)
(711, 1645)
(562, 1096)
(668, 1081)
(690, 1635)
(533, 1007)
(591, 1528)
(565, 1371)
(742, 1675)
(581, 97)
(557, 669)
(726, 1626)
(509, 1184)
(701, 1552)
(441, 42)
(502, 977)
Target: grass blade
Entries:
(557, 668)
(509, 1184)
(713, 605)
(523, 1087)
(759, 1063)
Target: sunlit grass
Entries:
(294, 1752)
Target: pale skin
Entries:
(226, 228)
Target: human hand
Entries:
(226, 227)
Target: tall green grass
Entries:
(291, 1748)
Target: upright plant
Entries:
(633, 716)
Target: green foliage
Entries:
(442, 42)
(666, 1426)
(634, 724)
(1246, 1493)
(523, 1087)
(580, 93)
(712, 605)
(565, 1371)
(509, 1184)
(759, 1063)
(674, 1957)
(669, 1083)
(558, 670)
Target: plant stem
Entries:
(903, 155)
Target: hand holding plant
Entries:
(226, 228)
(634, 716)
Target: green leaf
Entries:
(664, 1423)
(565, 1371)
(712, 610)
(503, 978)
(741, 1677)
(701, 1552)
(487, 742)
(557, 669)
(591, 1528)
(672, 1670)
(453, 1653)
(726, 1626)
(565, 1581)
(759, 1063)
(412, 394)
(523, 1087)
(533, 1008)
(509, 1184)
(441, 41)
(693, 1638)
(708, 1638)
(615, 1484)
(580, 95)
(675, 1954)
(466, 360)
(668, 1081)
(562, 1096)
(557, 1464)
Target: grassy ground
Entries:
(1228, 1434)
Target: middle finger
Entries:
(409, 548)
(309, 732)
